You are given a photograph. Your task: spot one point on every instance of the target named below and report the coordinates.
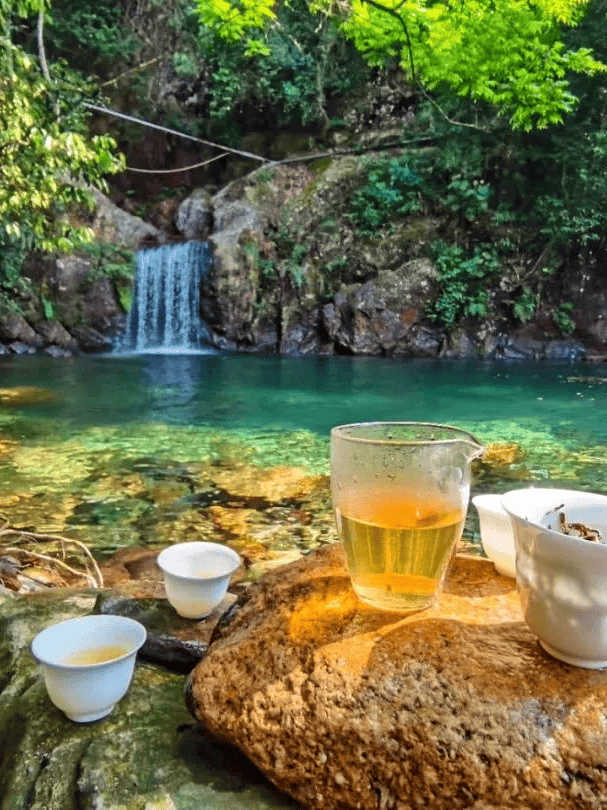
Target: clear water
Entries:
(109, 415)
(265, 400)
(91, 459)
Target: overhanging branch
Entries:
(394, 13)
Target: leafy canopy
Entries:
(47, 159)
(509, 53)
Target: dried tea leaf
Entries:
(579, 530)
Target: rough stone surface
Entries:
(90, 340)
(55, 334)
(343, 706)
(564, 350)
(233, 286)
(116, 226)
(148, 754)
(21, 348)
(378, 317)
(195, 215)
(82, 300)
(14, 328)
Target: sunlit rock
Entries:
(116, 226)
(344, 706)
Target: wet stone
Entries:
(172, 641)
(147, 755)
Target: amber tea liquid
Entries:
(398, 550)
(95, 655)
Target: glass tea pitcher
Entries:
(400, 494)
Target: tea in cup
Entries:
(88, 663)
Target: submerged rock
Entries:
(24, 395)
(344, 706)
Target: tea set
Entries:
(400, 495)
(88, 663)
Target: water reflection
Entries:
(240, 391)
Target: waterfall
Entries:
(165, 314)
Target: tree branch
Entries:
(41, 53)
(394, 13)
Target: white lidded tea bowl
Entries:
(561, 578)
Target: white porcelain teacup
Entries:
(562, 579)
(497, 535)
(88, 663)
(197, 576)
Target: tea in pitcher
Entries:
(397, 552)
(400, 493)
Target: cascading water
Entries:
(165, 315)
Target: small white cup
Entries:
(497, 535)
(83, 688)
(562, 579)
(197, 576)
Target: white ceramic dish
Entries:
(197, 576)
(497, 535)
(561, 579)
(83, 688)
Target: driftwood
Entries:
(35, 561)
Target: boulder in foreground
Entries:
(343, 706)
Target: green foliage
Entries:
(47, 308)
(562, 318)
(525, 306)
(48, 161)
(294, 264)
(47, 158)
(89, 35)
(109, 261)
(392, 189)
(265, 266)
(508, 53)
(13, 251)
(115, 263)
(469, 198)
(563, 222)
(406, 185)
(284, 74)
(464, 282)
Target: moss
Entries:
(320, 166)
(148, 753)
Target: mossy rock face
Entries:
(148, 754)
